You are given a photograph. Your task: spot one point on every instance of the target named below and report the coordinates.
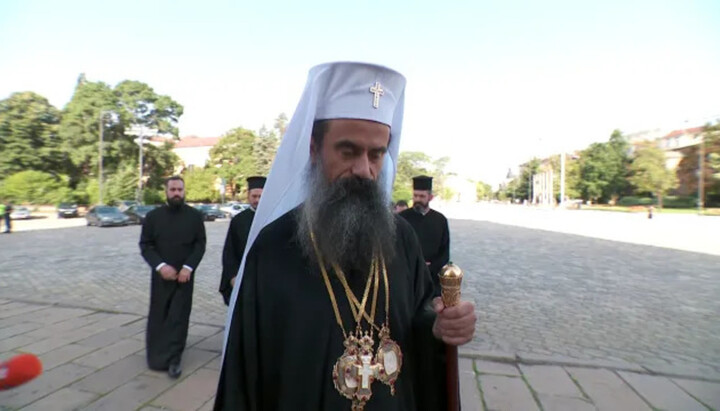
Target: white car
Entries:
(233, 209)
(20, 213)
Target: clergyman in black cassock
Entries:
(325, 211)
(172, 240)
(237, 236)
(431, 228)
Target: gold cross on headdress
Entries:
(377, 91)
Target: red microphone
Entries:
(19, 370)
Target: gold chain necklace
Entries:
(358, 367)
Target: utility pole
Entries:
(140, 182)
(100, 158)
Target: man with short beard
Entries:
(431, 228)
(237, 236)
(333, 307)
(172, 242)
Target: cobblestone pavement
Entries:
(539, 294)
(95, 360)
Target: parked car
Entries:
(66, 210)
(210, 212)
(137, 213)
(102, 216)
(20, 213)
(125, 204)
(233, 209)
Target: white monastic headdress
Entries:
(334, 90)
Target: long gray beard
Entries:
(351, 219)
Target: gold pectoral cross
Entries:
(366, 370)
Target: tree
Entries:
(280, 125)
(523, 186)
(233, 157)
(410, 164)
(158, 164)
(29, 135)
(604, 169)
(79, 130)
(649, 173)
(34, 187)
(264, 150)
(123, 184)
(484, 191)
(200, 185)
(146, 108)
(619, 166)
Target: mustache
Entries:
(350, 219)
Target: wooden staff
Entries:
(450, 281)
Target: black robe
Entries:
(434, 235)
(284, 340)
(235, 241)
(177, 238)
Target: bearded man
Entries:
(172, 242)
(334, 306)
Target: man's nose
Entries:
(361, 168)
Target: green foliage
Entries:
(668, 202)
(280, 125)
(711, 138)
(145, 107)
(233, 158)
(264, 149)
(604, 169)
(91, 192)
(123, 184)
(158, 164)
(200, 186)
(153, 196)
(523, 186)
(33, 187)
(80, 129)
(28, 134)
(410, 164)
(649, 173)
(484, 191)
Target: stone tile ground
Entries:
(611, 316)
(81, 374)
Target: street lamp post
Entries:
(141, 131)
(100, 155)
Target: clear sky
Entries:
(490, 84)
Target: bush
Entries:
(151, 196)
(630, 201)
(33, 187)
(668, 202)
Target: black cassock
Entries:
(284, 340)
(434, 235)
(175, 237)
(235, 241)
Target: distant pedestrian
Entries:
(2, 212)
(401, 206)
(8, 224)
(650, 212)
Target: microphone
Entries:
(19, 370)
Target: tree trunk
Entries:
(660, 200)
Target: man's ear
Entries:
(313, 151)
(430, 197)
